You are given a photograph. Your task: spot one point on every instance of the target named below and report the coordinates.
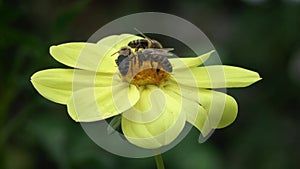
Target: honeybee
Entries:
(144, 43)
(127, 59)
(152, 56)
(160, 56)
(123, 60)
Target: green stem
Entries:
(159, 161)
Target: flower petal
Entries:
(57, 85)
(87, 56)
(183, 63)
(206, 109)
(198, 118)
(148, 108)
(93, 104)
(117, 41)
(90, 56)
(221, 108)
(195, 113)
(163, 129)
(216, 77)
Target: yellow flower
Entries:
(153, 114)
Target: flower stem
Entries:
(159, 161)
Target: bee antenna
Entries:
(115, 53)
(142, 34)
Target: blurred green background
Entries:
(261, 35)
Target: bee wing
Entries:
(168, 49)
(162, 52)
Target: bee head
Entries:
(125, 51)
(156, 44)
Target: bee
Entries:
(152, 56)
(160, 56)
(124, 59)
(127, 59)
(144, 43)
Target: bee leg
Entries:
(140, 59)
(129, 58)
(131, 69)
(137, 47)
(156, 59)
(134, 60)
(158, 68)
(167, 66)
(151, 63)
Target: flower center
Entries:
(146, 73)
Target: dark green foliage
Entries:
(36, 133)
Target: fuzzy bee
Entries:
(158, 59)
(152, 55)
(144, 43)
(123, 60)
(160, 56)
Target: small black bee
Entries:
(123, 60)
(144, 43)
(127, 59)
(160, 56)
(152, 52)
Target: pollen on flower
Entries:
(146, 73)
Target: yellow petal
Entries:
(221, 108)
(195, 113)
(148, 108)
(183, 63)
(87, 56)
(90, 56)
(163, 129)
(117, 41)
(92, 104)
(216, 77)
(206, 109)
(57, 85)
(198, 117)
